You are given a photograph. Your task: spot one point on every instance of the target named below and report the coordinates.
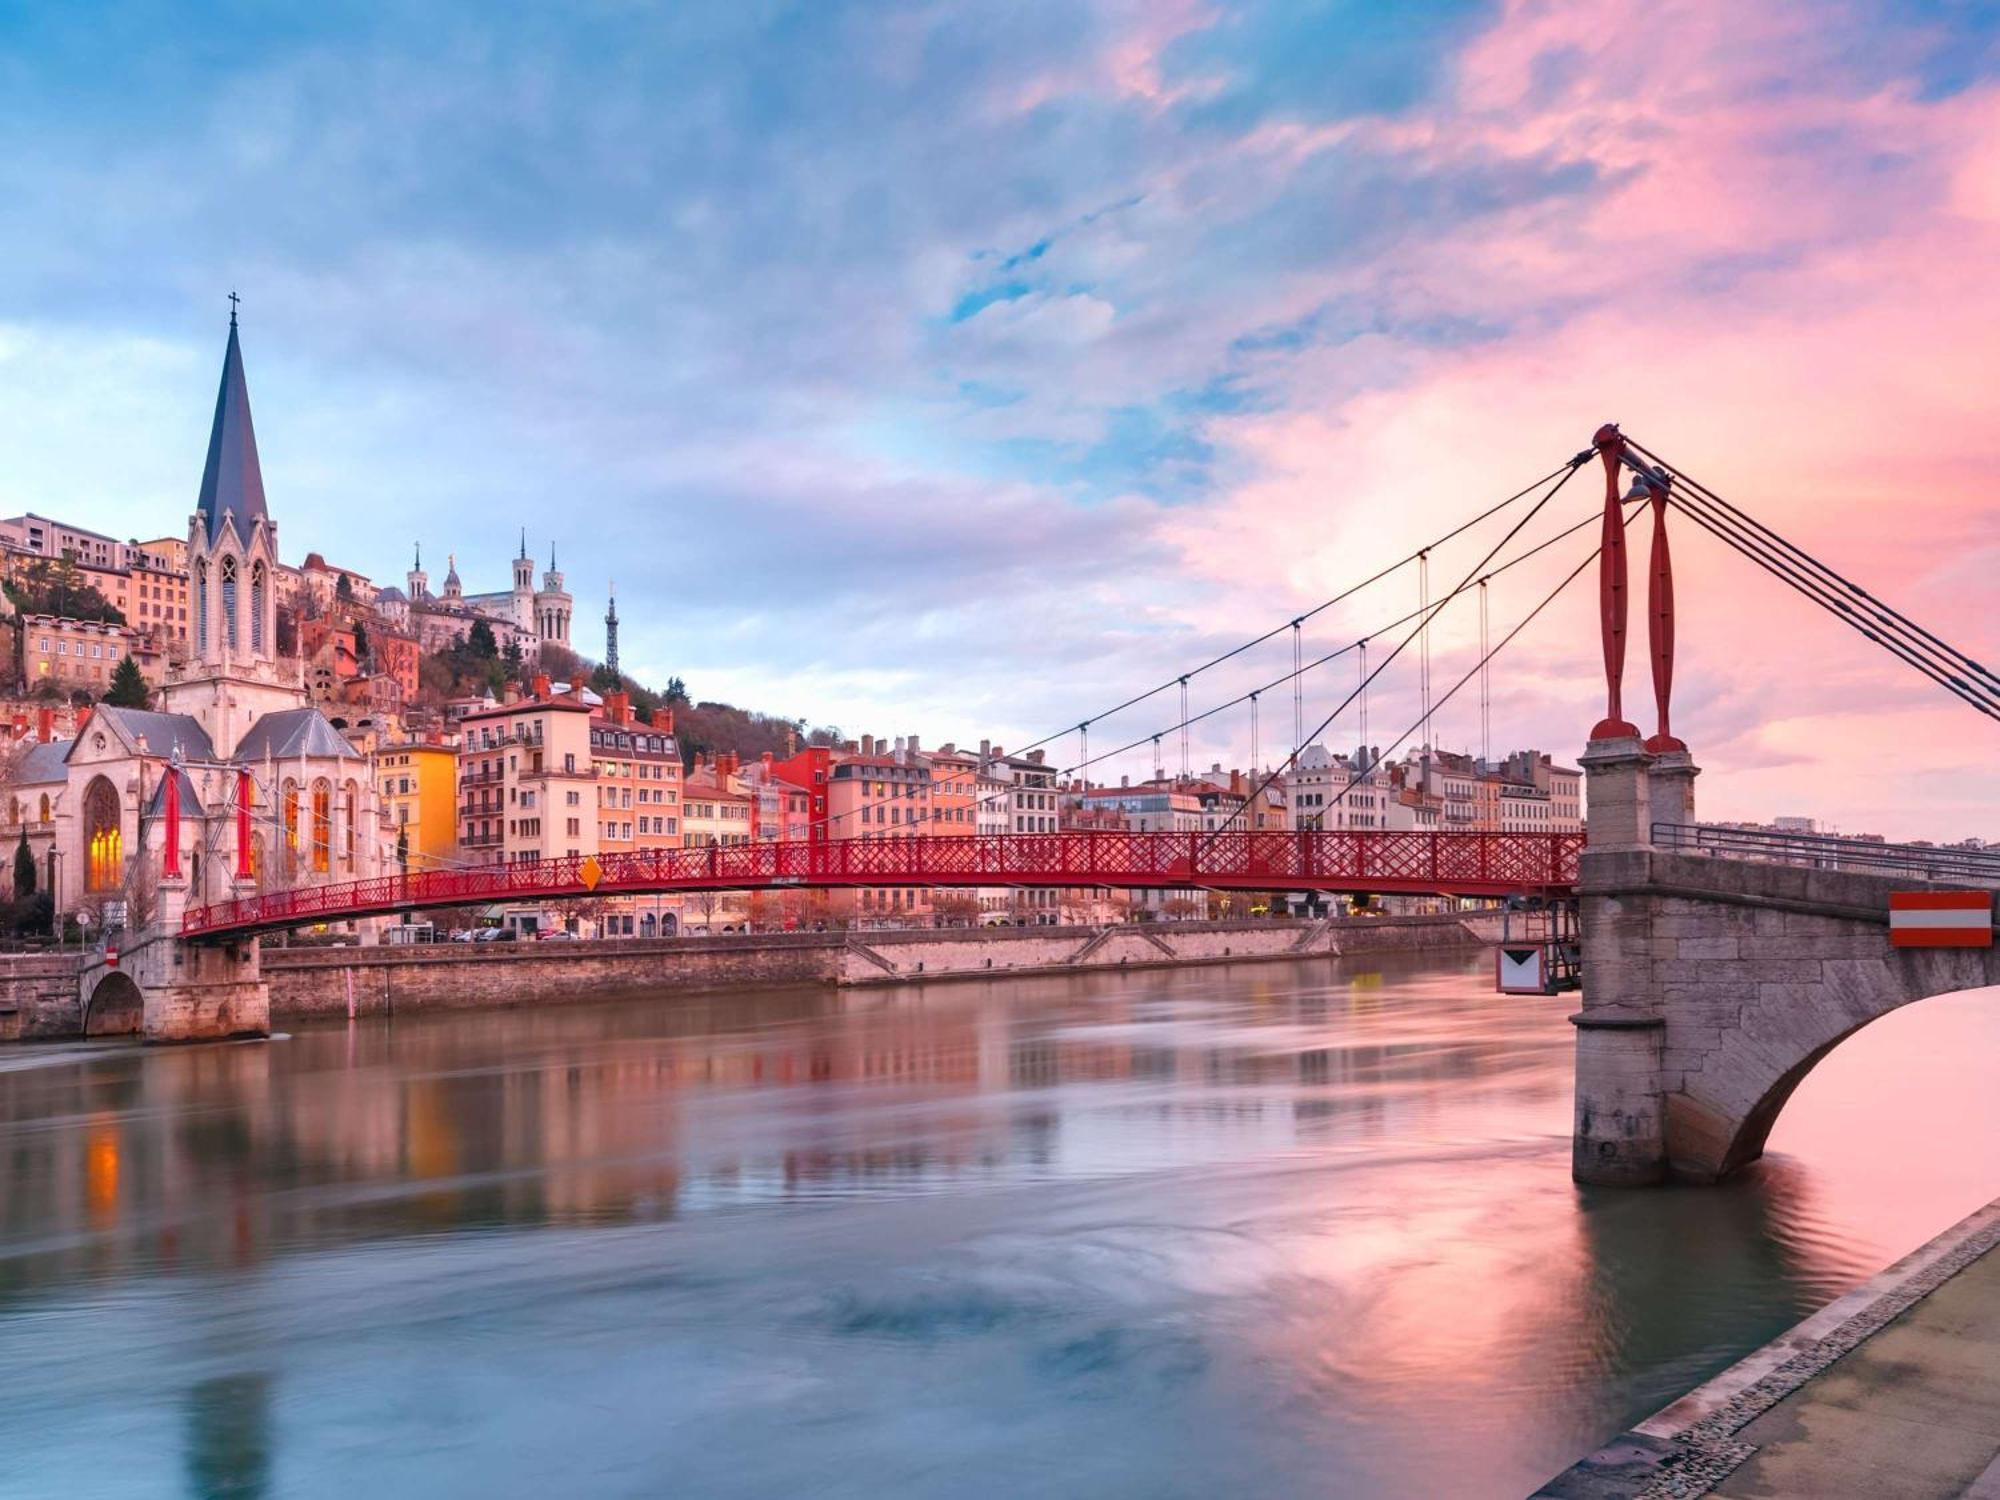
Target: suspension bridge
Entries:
(1713, 977)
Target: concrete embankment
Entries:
(309, 982)
(1891, 1391)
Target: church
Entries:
(264, 792)
(525, 616)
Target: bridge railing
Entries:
(1826, 852)
(1466, 863)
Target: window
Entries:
(229, 602)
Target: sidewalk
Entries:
(1890, 1393)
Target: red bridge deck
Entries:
(1459, 864)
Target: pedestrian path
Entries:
(1890, 1393)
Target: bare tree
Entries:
(955, 908)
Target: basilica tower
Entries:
(552, 606)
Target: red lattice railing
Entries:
(1462, 864)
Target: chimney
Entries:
(726, 764)
(541, 684)
(663, 720)
(1235, 782)
(511, 693)
(82, 718)
(985, 751)
(913, 745)
(1124, 780)
(901, 753)
(768, 758)
(45, 724)
(867, 744)
(791, 743)
(1038, 756)
(618, 707)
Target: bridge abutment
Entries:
(1713, 986)
(1620, 1131)
(187, 992)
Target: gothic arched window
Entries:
(322, 829)
(201, 606)
(229, 602)
(103, 838)
(257, 606)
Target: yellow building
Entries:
(419, 786)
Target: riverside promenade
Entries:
(1892, 1392)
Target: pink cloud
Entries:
(1788, 285)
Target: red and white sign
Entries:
(1941, 919)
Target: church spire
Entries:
(232, 482)
(524, 544)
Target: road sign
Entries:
(590, 872)
(1521, 969)
(1941, 919)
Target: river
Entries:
(1284, 1229)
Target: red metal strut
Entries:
(1611, 590)
(1660, 615)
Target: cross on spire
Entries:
(233, 300)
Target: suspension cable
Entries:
(1360, 645)
(1563, 471)
(1839, 590)
(1486, 656)
(1898, 644)
(1478, 570)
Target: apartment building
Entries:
(528, 788)
(638, 805)
(418, 784)
(71, 653)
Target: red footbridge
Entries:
(1376, 863)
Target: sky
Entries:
(960, 370)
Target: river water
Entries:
(1264, 1230)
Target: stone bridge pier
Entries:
(1711, 987)
(167, 990)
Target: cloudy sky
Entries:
(959, 369)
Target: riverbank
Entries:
(312, 982)
(1891, 1391)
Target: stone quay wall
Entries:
(39, 996)
(309, 982)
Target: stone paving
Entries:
(1892, 1391)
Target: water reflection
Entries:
(1143, 1234)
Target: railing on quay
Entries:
(1428, 863)
(1820, 851)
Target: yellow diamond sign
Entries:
(590, 872)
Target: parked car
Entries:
(556, 935)
(495, 935)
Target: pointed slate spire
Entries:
(232, 483)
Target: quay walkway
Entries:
(1890, 1393)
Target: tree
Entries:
(344, 588)
(51, 586)
(128, 686)
(360, 635)
(676, 691)
(955, 908)
(24, 869)
(604, 680)
(512, 656)
(479, 642)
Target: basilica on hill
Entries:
(234, 718)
